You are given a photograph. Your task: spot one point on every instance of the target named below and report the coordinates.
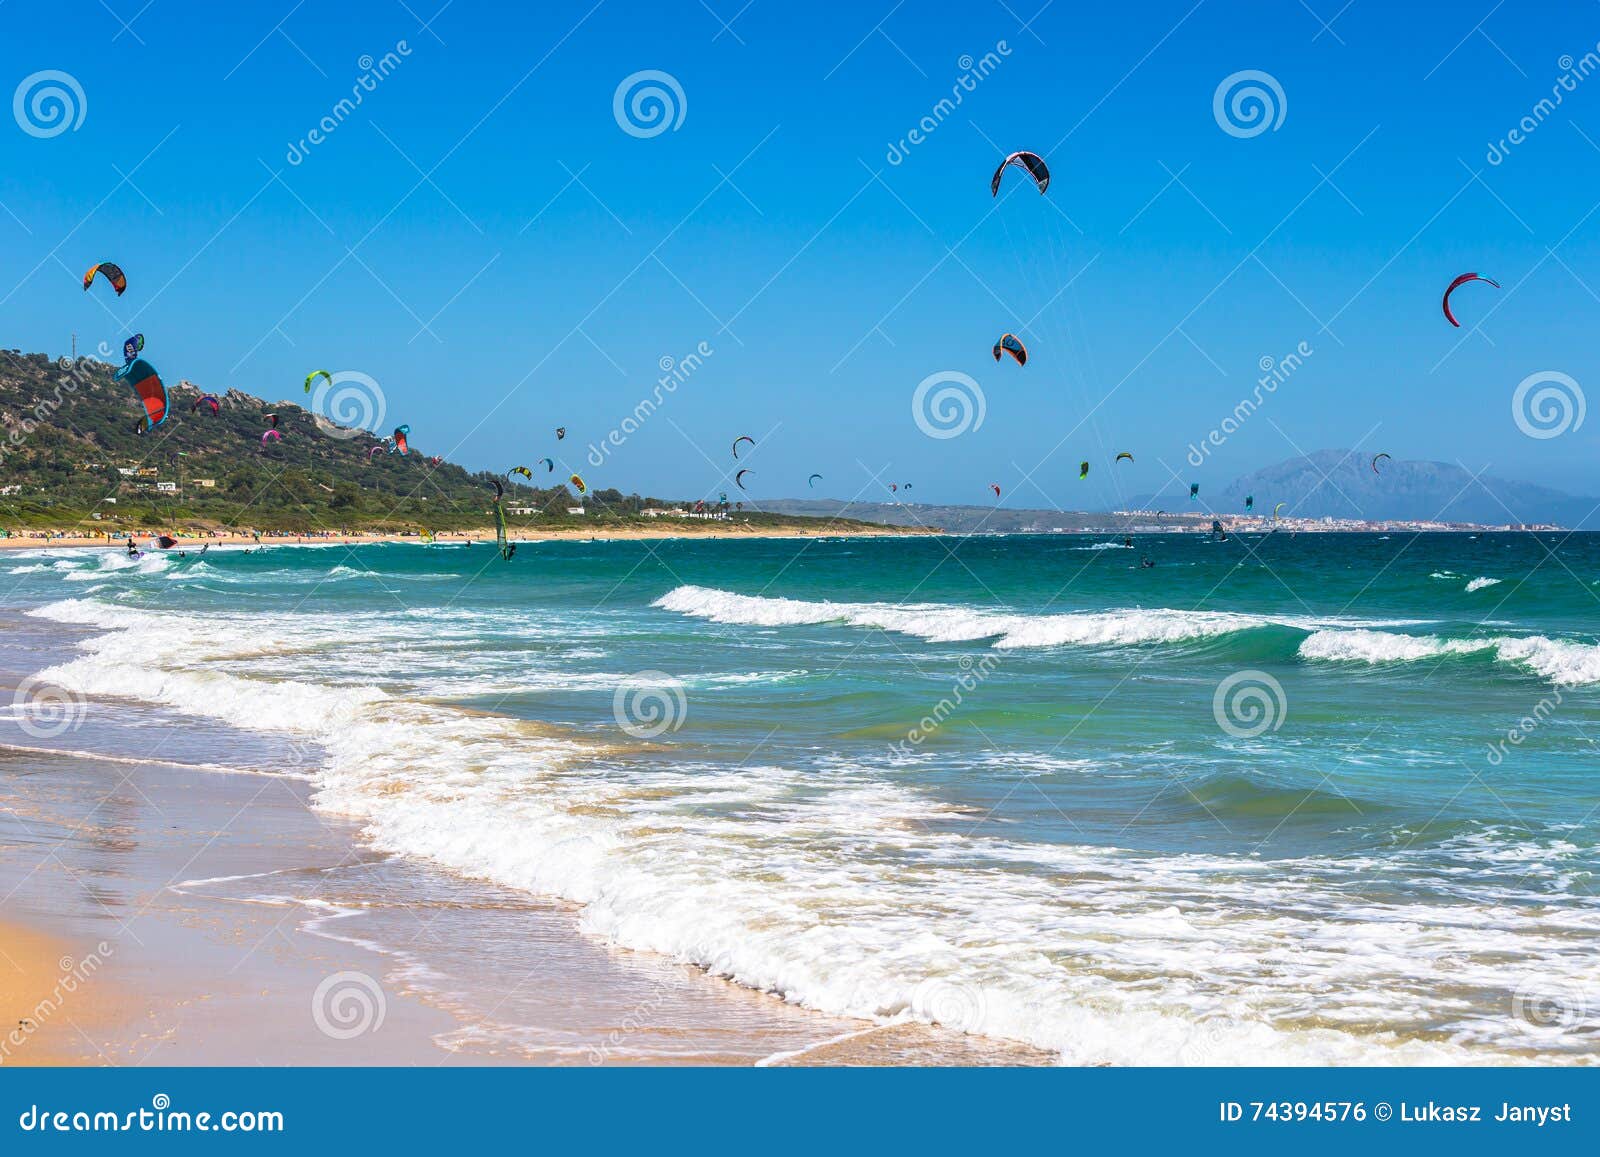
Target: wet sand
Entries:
(239, 926)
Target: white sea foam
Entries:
(952, 624)
(342, 571)
(160, 658)
(943, 623)
(961, 942)
(134, 761)
(1563, 662)
(1478, 584)
(1384, 647)
(755, 873)
(117, 561)
(1560, 661)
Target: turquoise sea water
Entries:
(1280, 799)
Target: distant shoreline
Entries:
(651, 534)
(458, 537)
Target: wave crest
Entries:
(1561, 661)
(954, 624)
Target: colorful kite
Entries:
(1448, 316)
(142, 376)
(1009, 343)
(109, 271)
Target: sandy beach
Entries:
(200, 912)
(666, 530)
(53, 1004)
(232, 926)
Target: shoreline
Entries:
(602, 533)
(237, 924)
(463, 537)
(267, 933)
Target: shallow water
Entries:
(1257, 803)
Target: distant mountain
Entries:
(1342, 484)
(1326, 484)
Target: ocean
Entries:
(1294, 799)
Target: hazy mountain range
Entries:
(1343, 484)
(1326, 483)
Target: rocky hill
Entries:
(69, 449)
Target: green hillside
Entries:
(68, 434)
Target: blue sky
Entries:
(482, 238)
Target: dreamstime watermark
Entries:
(948, 404)
(1207, 1043)
(1547, 404)
(45, 710)
(973, 73)
(674, 372)
(973, 673)
(649, 102)
(1551, 1004)
(373, 73)
(1249, 703)
(301, 753)
(348, 404)
(1573, 73)
(649, 704)
(348, 1004)
(641, 1016)
(1248, 103)
(1524, 727)
(160, 1118)
(74, 974)
(951, 1004)
(49, 103)
(1274, 372)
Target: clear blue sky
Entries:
(548, 260)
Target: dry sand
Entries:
(53, 1001)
